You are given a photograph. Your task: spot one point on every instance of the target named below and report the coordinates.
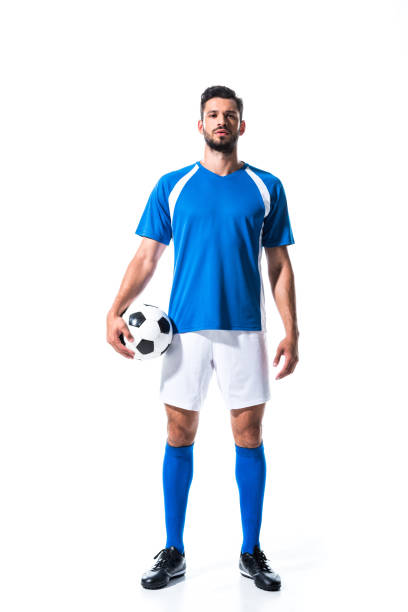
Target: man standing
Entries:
(219, 212)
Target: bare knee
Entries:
(250, 436)
(179, 436)
(247, 425)
(181, 426)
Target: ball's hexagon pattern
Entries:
(150, 331)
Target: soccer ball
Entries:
(151, 329)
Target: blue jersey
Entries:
(219, 225)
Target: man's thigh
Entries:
(241, 363)
(186, 371)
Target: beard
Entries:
(225, 145)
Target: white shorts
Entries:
(239, 358)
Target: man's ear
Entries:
(200, 126)
(242, 127)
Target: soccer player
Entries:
(220, 213)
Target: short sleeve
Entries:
(155, 221)
(277, 230)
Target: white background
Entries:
(99, 99)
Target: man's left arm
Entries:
(282, 281)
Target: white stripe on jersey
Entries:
(262, 188)
(175, 192)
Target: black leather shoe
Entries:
(256, 566)
(171, 563)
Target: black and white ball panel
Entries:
(151, 329)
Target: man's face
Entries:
(221, 126)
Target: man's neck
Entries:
(221, 164)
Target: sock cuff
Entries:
(179, 451)
(243, 450)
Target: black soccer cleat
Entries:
(256, 566)
(171, 563)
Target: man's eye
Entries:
(231, 116)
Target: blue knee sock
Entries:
(250, 473)
(177, 477)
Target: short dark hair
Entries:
(219, 91)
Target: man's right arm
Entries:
(139, 272)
